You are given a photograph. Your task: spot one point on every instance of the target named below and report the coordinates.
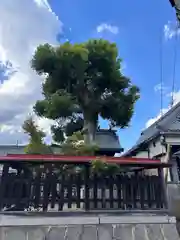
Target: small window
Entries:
(154, 144)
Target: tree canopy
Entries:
(82, 82)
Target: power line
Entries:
(161, 70)
(174, 63)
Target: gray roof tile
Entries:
(170, 121)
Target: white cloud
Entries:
(170, 30)
(161, 87)
(176, 99)
(104, 27)
(153, 120)
(24, 24)
(175, 96)
(43, 3)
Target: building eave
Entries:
(116, 150)
(137, 148)
(171, 133)
(157, 128)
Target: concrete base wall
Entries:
(136, 227)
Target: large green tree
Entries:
(83, 81)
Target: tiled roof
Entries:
(170, 121)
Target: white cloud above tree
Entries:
(23, 26)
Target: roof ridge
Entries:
(163, 116)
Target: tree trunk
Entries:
(89, 131)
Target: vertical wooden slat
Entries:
(61, 192)
(12, 196)
(149, 199)
(103, 186)
(124, 191)
(142, 186)
(86, 183)
(95, 182)
(157, 192)
(153, 191)
(3, 183)
(37, 187)
(78, 187)
(9, 191)
(29, 181)
(54, 181)
(19, 189)
(111, 189)
(69, 189)
(134, 191)
(128, 193)
(119, 190)
(47, 185)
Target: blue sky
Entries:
(135, 26)
(140, 25)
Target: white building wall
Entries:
(173, 140)
(142, 154)
(156, 148)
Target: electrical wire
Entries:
(174, 62)
(161, 72)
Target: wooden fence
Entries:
(48, 188)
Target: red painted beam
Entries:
(80, 159)
(22, 157)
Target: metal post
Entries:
(164, 187)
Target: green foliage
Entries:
(75, 125)
(49, 107)
(58, 133)
(33, 148)
(67, 128)
(36, 144)
(82, 82)
(75, 146)
(101, 167)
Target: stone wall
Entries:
(137, 227)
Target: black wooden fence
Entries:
(51, 187)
